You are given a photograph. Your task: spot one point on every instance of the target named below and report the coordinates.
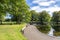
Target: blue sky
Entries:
(48, 5)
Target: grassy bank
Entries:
(56, 33)
(11, 32)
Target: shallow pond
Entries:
(51, 33)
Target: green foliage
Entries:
(27, 17)
(44, 28)
(34, 15)
(8, 23)
(17, 8)
(2, 17)
(2, 10)
(44, 17)
(56, 21)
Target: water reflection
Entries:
(48, 29)
(51, 32)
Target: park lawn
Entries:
(11, 32)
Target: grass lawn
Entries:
(11, 32)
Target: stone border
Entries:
(22, 30)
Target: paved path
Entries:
(32, 33)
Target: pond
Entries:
(51, 33)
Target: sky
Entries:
(48, 5)
(7, 16)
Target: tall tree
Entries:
(34, 15)
(44, 17)
(19, 9)
(56, 20)
(2, 10)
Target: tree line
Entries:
(20, 12)
(46, 21)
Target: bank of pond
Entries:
(48, 29)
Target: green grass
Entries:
(11, 32)
(56, 33)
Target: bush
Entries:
(8, 23)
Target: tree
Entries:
(56, 20)
(19, 9)
(34, 15)
(44, 17)
(1, 18)
(2, 10)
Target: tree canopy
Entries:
(34, 15)
(56, 20)
(44, 17)
(17, 8)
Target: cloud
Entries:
(49, 9)
(36, 8)
(52, 9)
(48, 5)
(57, 0)
(40, 0)
(43, 3)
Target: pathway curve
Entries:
(32, 33)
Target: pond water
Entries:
(51, 33)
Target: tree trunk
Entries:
(0, 22)
(18, 19)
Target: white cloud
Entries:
(52, 1)
(49, 9)
(36, 8)
(38, 1)
(43, 3)
(52, 9)
(57, 0)
(46, 3)
(35, 2)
